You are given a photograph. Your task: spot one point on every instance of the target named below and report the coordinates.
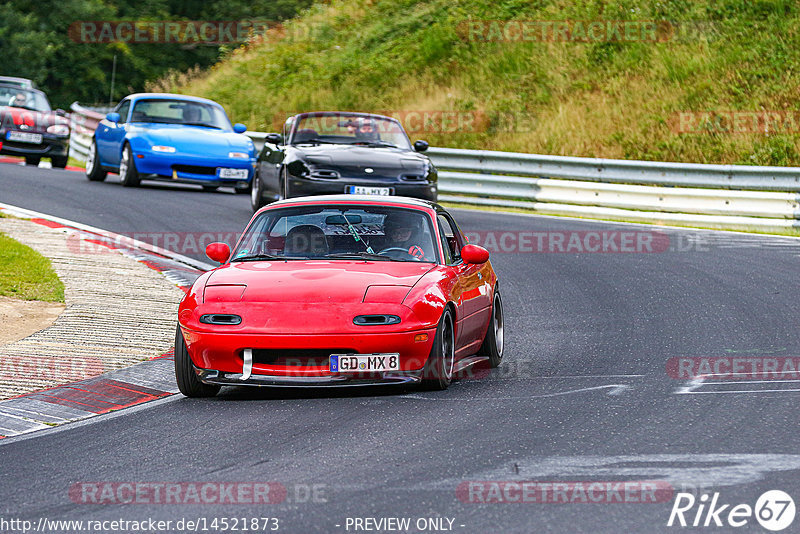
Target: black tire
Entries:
(438, 371)
(284, 183)
(188, 383)
(59, 162)
(128, 174)
(94, 172)
(257, 194)
(494, 340)
(210, 188)
(33, 161)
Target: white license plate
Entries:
(364, 363)
(364, 190)
(24, 137)
(233, 173)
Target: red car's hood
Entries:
(315, 281)
(12, 118)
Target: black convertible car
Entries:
(335, 152)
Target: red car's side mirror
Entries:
(220, 252)
(474, 254)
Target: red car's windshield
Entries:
(23, 98)
(339, 233)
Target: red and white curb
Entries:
(115, 390)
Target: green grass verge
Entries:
(26, 274)
(604, 98)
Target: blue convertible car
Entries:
(172, 137)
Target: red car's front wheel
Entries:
(438, 372)
(188, 383)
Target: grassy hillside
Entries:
(614, 99)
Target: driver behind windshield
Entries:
(191, 114)
(405, 231)
(367, 130)
(19, 100)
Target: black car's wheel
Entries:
(210, 188)
(32, 160)
(59, 162)
(257, 194)
(284, 183)
(94, 172)
(493, 342)
(187, 379)
(128, 174)
(438, 371)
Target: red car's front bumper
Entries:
(284, 359)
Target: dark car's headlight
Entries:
(58, 129)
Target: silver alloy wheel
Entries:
(498, 324)
(123, 165)
(90, 158)
(255, 191)
(448, 355)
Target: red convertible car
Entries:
(340, 290)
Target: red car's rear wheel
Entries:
(493, 342)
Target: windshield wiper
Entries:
(374, 143)
(258, 257)
(316, 141)
(360, 256)
(201, 124)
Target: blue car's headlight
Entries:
(243, 155)
(162, 148)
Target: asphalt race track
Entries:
(584, 393)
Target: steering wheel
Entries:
(397, 253)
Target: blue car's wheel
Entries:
(127, 169)
(94, 172)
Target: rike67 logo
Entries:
(774, 510)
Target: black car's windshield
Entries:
(339, 232)
(349, 129)
(167, 111)
(23, 98)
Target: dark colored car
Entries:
(30, 128)
(335, 152)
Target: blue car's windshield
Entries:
(180, 112)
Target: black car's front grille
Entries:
(296, 357)
(195, 169)
(412, 177)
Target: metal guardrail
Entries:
(83, 123)
(731, 196)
